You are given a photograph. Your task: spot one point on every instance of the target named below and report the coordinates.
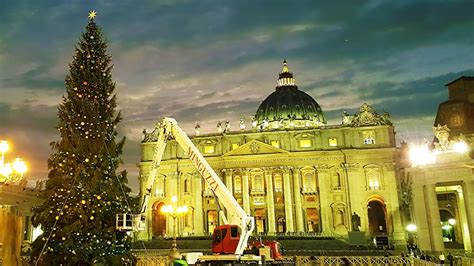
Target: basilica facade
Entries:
(290, 170)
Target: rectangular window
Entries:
(369, 137)
(278, 183)
(305, 143)
(235, 146)
(374, 184)
(332, 142)
(369, 141)
(275, 143)
(209, 149)
(234, 232)
(258, 201)
(311, 199)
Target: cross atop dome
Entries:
(286, 77)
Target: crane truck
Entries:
(229, 240)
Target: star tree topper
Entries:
(92, 14)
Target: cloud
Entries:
(204, 61)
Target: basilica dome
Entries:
(288, 107)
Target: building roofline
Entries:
(461, 77)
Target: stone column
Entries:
(298, 205)
(419, 214)
(393, 206)
(288, 203)
(198, 208)
(356, 195)
(270, 202)
(325, 199)
(228, 179)
(465, 208)
(245, 190)
(433, 217)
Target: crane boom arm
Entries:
(168, 128)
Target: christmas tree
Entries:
(84, 191)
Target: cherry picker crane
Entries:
(231, 237)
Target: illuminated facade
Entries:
(442, 188)
(290, 170)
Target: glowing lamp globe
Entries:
(20, 166)
(3, 146)
(421, 156)
(411, 228)
(460, 147)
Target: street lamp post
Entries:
(412, 242)
(10, 172)
(174, 211)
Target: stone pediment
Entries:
(366, 117)
(254, 147)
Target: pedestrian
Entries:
(422, 256)
(450, 259)
(441, 258)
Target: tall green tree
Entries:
(85, 190)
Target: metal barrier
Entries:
(419, 262)
(352, 260)
(153, 261)
(151, 258)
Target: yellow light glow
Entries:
(92, 14)
(174, 199)
(209, 149)
(275, 143)
(460, 147)
(421, 156)
(446, 227)
(411, 228)
(374, 184)
(305, 143)
(6, 170)
(182, 209)
(3, 146)
(19, 166)
(452, 221)
(166, 209)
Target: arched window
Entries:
(373, 180)
(257, 182)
